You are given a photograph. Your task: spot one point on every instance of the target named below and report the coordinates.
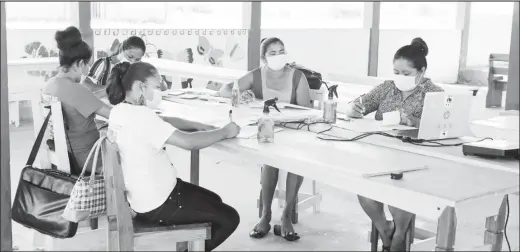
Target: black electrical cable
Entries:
(505, 226)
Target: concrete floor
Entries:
(341, 225)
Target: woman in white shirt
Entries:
(154, 191)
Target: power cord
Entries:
(425, 143)
(505, 226)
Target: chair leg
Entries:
(198, 245)
(374, 238)
(260, 205)
(410, 234)
(315, 191)
(182, 246)
(94, 223)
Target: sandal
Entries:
(259, 234)
(288, 237)
(387, 249)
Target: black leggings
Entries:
(190, 204)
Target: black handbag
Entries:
(313, 77)
(42, 195)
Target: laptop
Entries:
(444, 116)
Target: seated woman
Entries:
(275, 79)
(410, 61)
(80, 105)
(154, 191)
(132, 50)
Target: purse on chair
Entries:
(42, 195)
(88, 197)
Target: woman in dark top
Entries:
(406, 96)
(80, 105)
(275, 79)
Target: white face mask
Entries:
(156, 100)
(121, 58)
(405, 83)
(276, 62)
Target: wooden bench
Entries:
(497, 79)
(122, 229)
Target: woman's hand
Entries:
(411, 120)
(204, 127)
(355, 109)
(231, 130)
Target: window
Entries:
(420, 16)
(211, 15)
(30, 15)
(489, 31)
(303, 15)
(184, 15)
(110, 14)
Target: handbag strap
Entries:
(38, 141)
(93, 152)
(74, 160)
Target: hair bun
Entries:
(420, 44)
(68, 38)
(121, 68)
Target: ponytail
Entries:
(115, 90)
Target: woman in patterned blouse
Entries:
(406, 96)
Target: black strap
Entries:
(73, 157)
(38, 142)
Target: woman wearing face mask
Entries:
(154, 191)
(275, 79)
(405, 93)
(80, 105)
(132, 50)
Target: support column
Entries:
(463, 21)
(5, 168)
(513, 78)
(371, 21)
(252, 16)
(81, 16)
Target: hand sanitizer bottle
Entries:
(330, 106)
(266, 123)
(235, 95)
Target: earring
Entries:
(141, 100)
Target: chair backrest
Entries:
(120, 226)
(498, 65)
(43, 104)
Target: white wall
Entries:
(328, 51)
(443, 55)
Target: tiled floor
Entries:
(341, 225)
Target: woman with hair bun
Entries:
(405, 93)
(80, 105)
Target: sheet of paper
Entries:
(368, 125)
(250, 131)
(391, 118)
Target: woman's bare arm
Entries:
(195, 140)
(244, 83)
(186, 125)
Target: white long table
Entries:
(433, 193)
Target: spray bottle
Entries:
(235, 95)
(330, 106)
(266, 123)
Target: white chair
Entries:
(59, 157)
(304, 200)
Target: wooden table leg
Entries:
(495, 225)
(446, 229)
(195, 165)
